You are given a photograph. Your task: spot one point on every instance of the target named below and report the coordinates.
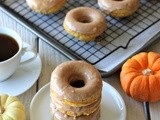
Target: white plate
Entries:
(112, 105)
(24, 77)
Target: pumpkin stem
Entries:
(1, 108)
(147, 71)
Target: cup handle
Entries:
(28, 54)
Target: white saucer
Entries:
(112, 105)
(25, 76)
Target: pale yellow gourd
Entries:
(11, 108)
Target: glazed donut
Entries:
(72, 110)
(45, 6)
(84, 23)
(76, 83)
(56, 115)
(75, 90)
(119, 8)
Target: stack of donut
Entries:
(75, 91)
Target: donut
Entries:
(56, 115)
(75, 89)
(119, 8)
(84, 23)
(45, 6)
(72, 110)
(76, 78)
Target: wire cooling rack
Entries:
(123, 37)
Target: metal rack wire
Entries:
(118, 36)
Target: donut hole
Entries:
(84, 19)
(77, 83)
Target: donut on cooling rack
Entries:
(75, 91)
(84, 23)
(45, 6)
(119, 8)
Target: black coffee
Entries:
(8, 47)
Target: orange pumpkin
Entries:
(140, 77)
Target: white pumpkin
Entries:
(11, 108)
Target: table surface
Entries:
(51, 58)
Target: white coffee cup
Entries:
(9, 66)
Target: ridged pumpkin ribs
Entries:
(1, 107)
(140, 77)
